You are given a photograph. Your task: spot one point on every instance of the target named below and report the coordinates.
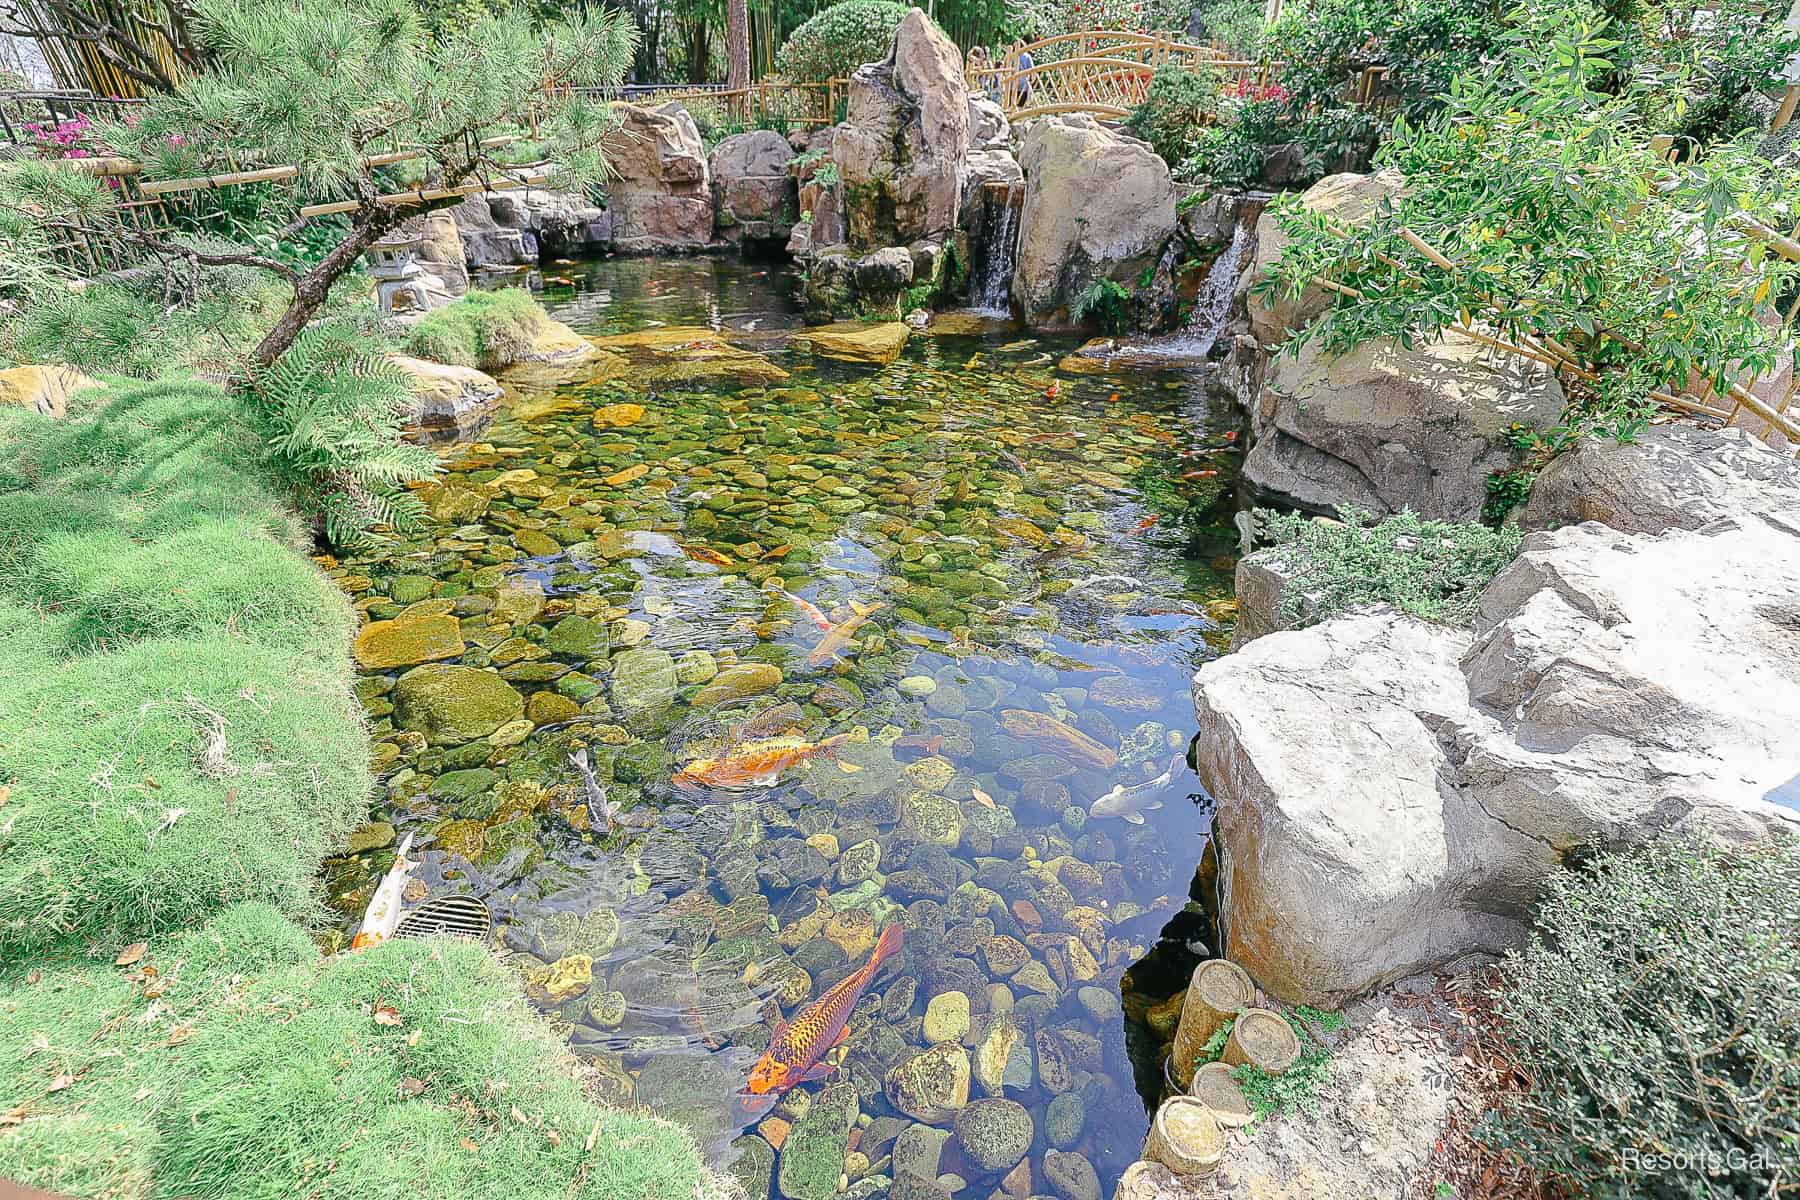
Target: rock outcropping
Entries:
(1348, 199)
(1385, 428)
(1098, 205)
(753, 194)
(447, 396)
(661, 195)
(1674, 476)
(524, 226)
(43, 390)
(1392, 793)
(903, 149)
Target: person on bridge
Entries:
(1021, 62)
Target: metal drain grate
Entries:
(452, 916)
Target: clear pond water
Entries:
(1033, 560)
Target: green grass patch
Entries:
(1435, 570)
(483, 329)
(249, 1066)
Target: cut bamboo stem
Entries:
(1262, 1039)
(1214, 1087)
(1185, 1137)
(1216, 992)
(424, 195)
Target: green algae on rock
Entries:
(451, 704)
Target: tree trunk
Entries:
(312, 289)
(737, 44)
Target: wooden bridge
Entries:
(1105, 72)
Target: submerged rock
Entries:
(407, 641)
(860, 342)
(994, 1134)
(812, 1158)
(643, 682)
(454, 704)
(930, 1086)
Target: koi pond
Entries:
(915, 633)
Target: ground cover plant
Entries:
(1653, 1016)
(178, 751)
(1435, 570)
(486, 329)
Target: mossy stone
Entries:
(452, 704)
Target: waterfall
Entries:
(1212, 304)
(993, 290)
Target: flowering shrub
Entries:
(64, 139)
(838, 40)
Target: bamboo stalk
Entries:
(1216, 991)
(1262, 1039)
(422, 196)
(1185, 1137)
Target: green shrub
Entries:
(1179, 104)
(839, 39)
(261, 1070)
(1654, 1016)
(330, 412)
(1106, 303)
(1432, 569)
(1295, 1088)
(483, 329)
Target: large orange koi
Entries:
(833, 643)
(759, 764)
(798, 1045)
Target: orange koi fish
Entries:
(1145, 525)
(1051, 391)
(759, 764)
(840, 636)
(707, 555)
(807, 607)
(794, 1053)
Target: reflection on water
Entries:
(988, 582)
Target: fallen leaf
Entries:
(34, 976)
(470, 1146)
(411, 1086)
(131, 954)
(12, 1116)
(982, 797)
(593, 1136)
(412, 1039)
(61, 1082)
(519, 1116)
(5, 793)
(555, 1137)
(386, 1014)
(180, 1034)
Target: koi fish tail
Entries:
(887, 947)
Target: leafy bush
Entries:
(1679, 290)
(120, 329)
(330, 411)
(483, 329)
(1106, 303)
(1653, 1014)
(1178, 106)
(838, 40)
(1432, 569)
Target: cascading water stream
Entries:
(994, 289)
(1212, 304)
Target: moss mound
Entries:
(235, 1062)
(179, 749)
(483, 329)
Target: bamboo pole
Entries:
(1215, 1088)
(423, 196)
(1216, 991)
(1185, 1137)
(1262, 1039)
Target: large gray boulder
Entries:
(1097, 205)
(1348, 199)
(753, 193)
(523, 226)
(903, 149)
(1392, 794)
(1385, 428)
(1674, 476)
(660, 196)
